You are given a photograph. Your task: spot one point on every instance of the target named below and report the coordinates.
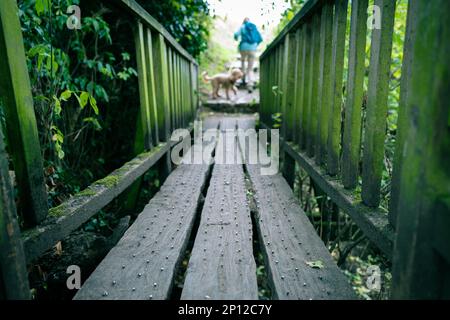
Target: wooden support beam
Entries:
(13, 271)
(402, 122)
(152, 103)
(298, 89)
(143, 140)
(289, 79)
(325, 91)
(337, 74)
(421, 257)
(355, 92)
(23, 140)
(314, 87)
(377, 103)
(160, 65)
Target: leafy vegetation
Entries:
(79, 77)
(188, 21)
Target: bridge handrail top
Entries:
(308, 9)
(136, 9)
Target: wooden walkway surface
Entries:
(221, 266)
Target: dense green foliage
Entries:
(84, 82)
(76, 77)
(187, 20)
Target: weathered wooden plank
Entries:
(172, 87)
(421, 265)
(337, 73)
(13, 271)
(193, 92)
(281, 95)
(23, 137)
(402, 122)
(143, 264)
(377, 102)
(355, 92)
(222, 266)
(177, 91)
(143, 139)
(289, 78)
(151, 81)
(162, 92)
(314, 88)
(289, 242)
(71, 214)
(298, 89)
(271, 84)
(325, 92)
(307, 84)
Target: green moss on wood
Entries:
(58, 211)
(86, 193)
(109, 181)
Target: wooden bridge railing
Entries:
(302, 77)
(168, 100)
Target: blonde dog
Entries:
(223, 80)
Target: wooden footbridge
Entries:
(222, 206)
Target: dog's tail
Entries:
(205, 76)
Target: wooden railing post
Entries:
(314, 87)
(337, 73)
(13, 271)
(23, 137)
(154, 123)
(289, 80)
(422, 249)
(162, 86)
(325, 92)
(377, 103)
(410, 38)
(143, 140)
(351, 153)
(160, 59)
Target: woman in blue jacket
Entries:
(250, 38)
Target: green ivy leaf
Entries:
(84, 97)
(65, 95)
(57, 105)
(93, 104)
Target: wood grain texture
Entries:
(289, 242)
(421, 257)
(351, 153)
(13, 271)
(143, 264)
(324, 104)
(222, 266)
(337, 73)
(377, 104)
(313, 111)
(402, 123)
(22, 132)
